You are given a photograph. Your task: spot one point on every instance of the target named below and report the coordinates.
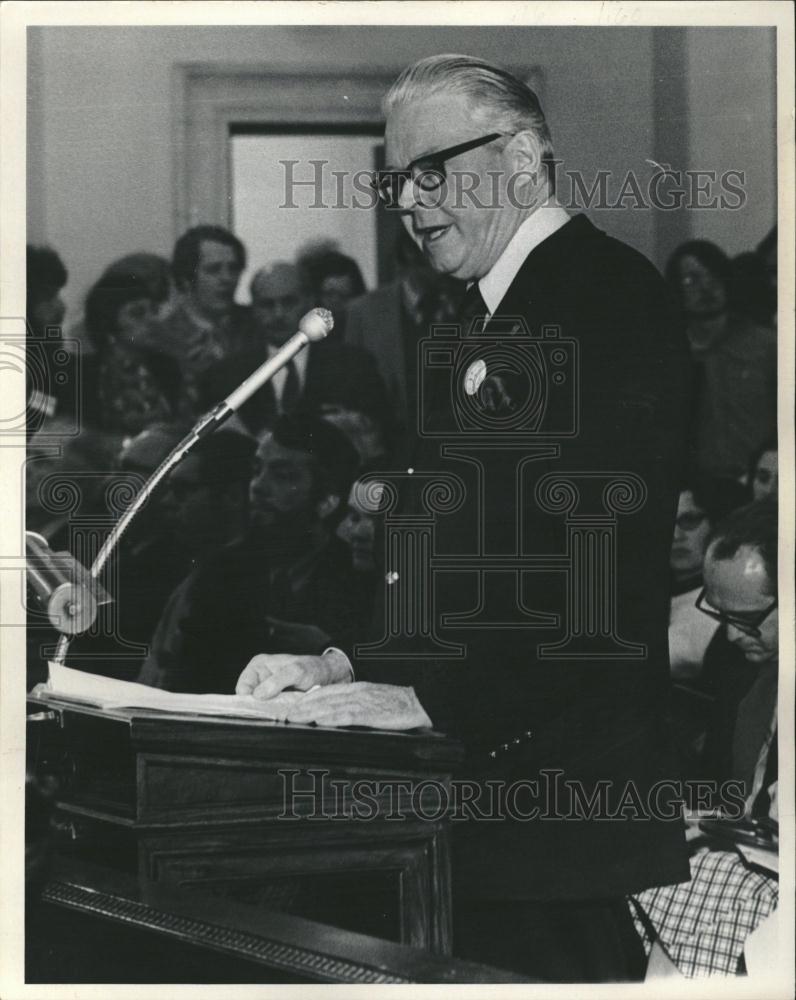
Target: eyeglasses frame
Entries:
(748, 628)
(430, 163)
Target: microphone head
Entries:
(316, 324)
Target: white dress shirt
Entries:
(533, 231)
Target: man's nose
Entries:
(734, 633)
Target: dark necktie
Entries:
(472, 307)
(291, 390)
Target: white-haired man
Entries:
(468, 151)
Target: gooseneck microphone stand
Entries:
(313, 327)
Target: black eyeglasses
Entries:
(747, 622)
(427, 172)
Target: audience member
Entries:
(367, 432)
(154, 271)
(206, 325)
(206, 495)
(358, 527)
(45, 277)
(702, 925)
(326, 372)
(763, 479)
(740, 668)
(390, 321)
(702, 503)
(129, 382)
(284, 585)
(736, 359)
(334, 280)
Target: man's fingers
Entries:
(251, 675)
(279, 678)
(267, 674)
(272, 686)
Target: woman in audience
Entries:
(736, 358)
(763, 477)
(335, 280)
(129, 383)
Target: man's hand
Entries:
(378, 706)
(267, 674)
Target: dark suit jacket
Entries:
(594, 720)
(336, 373)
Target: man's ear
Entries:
(525, 151)
(327, 505)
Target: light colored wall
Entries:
(732, 97)
(101, 117)
(100, 140)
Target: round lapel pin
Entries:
(474, 376)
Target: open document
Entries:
(109, 693)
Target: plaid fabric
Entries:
(703, 924)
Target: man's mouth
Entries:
(432, 234)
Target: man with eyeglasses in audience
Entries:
(701, 927)
(701, 504)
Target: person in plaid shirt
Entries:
(702, 925)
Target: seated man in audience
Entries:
(284, 585)
(206, 325)
(702, 924)
(701, 504)
(323, 372)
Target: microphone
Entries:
(64, 589)
(313, 327)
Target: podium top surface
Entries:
(151, 730)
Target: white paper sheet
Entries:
(107, 692)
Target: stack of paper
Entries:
(109, 693)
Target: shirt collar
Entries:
(533, 231)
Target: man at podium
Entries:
(471, 172)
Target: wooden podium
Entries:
(343, 827)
